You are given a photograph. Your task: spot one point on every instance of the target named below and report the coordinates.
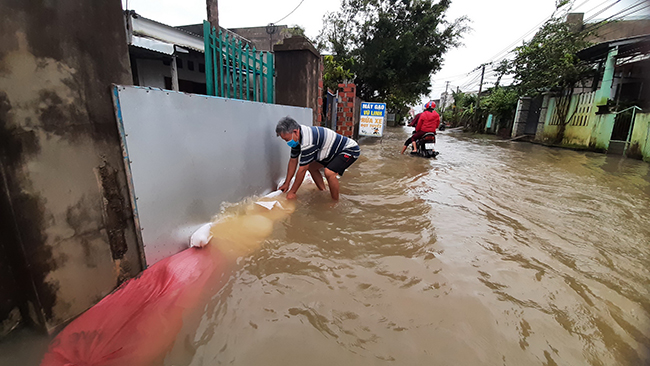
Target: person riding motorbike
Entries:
(427, 121)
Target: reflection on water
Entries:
(496, 253)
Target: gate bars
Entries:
(234, 70)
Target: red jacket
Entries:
(428, 121)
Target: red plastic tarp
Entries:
(138, 323)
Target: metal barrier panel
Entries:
(186, 154)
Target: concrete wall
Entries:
(620, 29)
(261, 39)
(602, 131)
(640, 140)
(544, 115)
(521, 116)
(595, 134)
(298, 72)
(66, 230)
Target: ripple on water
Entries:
(496, 252)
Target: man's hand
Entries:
(291, 196)
(284, 187)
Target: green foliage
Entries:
(461, 110)
(396, 45)
(296, 30)
(548, 62)
(501, 103)
(336, 72)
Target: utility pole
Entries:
(444, 99)
(212, 7)
(478, 96)
(480, 88)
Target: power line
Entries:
(492, 73)
(602, 10)
(286, 16)
(601, 23)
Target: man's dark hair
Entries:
(286, 125)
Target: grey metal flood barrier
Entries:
(186, 154)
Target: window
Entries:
(202, 68)
(190, 65)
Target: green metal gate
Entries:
(234, 70)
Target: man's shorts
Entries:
(341, 162)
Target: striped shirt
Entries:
(322, 144)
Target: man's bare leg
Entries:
(333, 183)
(415, 149)
(314, 170)
(403, 149)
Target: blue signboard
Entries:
(372, 119)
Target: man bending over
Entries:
(313, 148)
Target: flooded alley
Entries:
(495, 253)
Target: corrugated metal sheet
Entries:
(153, 30)
(153, 45)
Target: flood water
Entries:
(495, 253)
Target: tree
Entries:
(461, 110)
(395, 44)
(336, 72)
(501, 102)
(548, 63)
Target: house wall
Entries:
(152, 72)
(549, 132)
(66, 227)
(595, 134)
(519, 125)
(602, 131)
(261, 39)
(578, 135)
(620, 29)
(640, 139)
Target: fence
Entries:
(583, 110)
(234, 70)
(578, 109)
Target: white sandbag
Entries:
(201, 237)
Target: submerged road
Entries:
(496, 253)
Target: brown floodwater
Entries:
(495, 253)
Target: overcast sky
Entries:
(497, 25)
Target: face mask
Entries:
(292, 143)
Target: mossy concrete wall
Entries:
(66, 224)
(640, 141)
(603, 125)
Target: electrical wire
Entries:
(491, 73)
(286, 16)
(614, 17)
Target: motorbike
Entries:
(425, 146)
